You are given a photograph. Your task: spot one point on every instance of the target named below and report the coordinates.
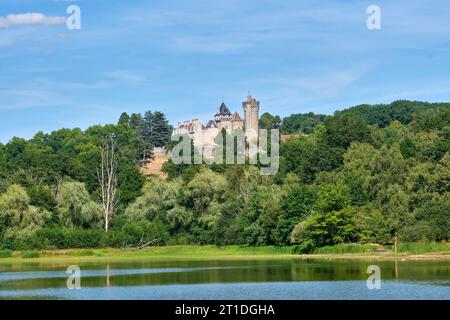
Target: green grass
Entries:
(419, 247)
(196, 252)
(30, 254)
(402, 248)
(5, 253)
(84, 253)
(210, 250)
(348, 248)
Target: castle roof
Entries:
(211, 124)
(223, 110)
(236, 117)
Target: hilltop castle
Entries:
(203, 136)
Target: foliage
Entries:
(348, 248)
(30, 254)
(368, 174)
(75, 207)
(268, 121)
(156, 128)
(5, 253)
(301, 123)
(403, 111)
(18, 218)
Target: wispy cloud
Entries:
(30, 18)
(24, 98)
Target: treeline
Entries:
(51, 181)
(347, 180)
(403, 111)
(381, 115)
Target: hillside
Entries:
(381, 115)
(404, 111)
(154, 167)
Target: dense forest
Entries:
(365, 174)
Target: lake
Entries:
(289, 278)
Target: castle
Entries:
(204, 136)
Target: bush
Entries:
(138, 232)
(254, 235)
(71, 238)
(304, 248)
(30, 254)
(5, 253)
(418, 232)
(84, 253)
(424, 247)
(131, 234)
(348, 248)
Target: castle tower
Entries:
(223, 118)
(251, 117)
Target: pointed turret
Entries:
(223, 110)
(236, 117)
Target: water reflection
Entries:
(116, 279)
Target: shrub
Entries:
(423, 247)
(84, 253)
(348, 248)
(5, 253)
(138, 232)
(419, 232)
(30, 254)
(304, 248)
(62, 238)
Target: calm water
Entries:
(248, 279)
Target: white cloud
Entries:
(30, 19)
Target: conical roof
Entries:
(236, 117)
(211, 124)
(223, 110)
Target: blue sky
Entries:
(182, 57)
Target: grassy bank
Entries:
(193, 252)
(402, 248)
(163, 252)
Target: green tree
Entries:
(75, 207)
(408, 148)
(156, 128)
(19, 219)
(322, 229)
(206, 187)
(342, 130)
(296, 205)
(301, 123)
(158, 197)
(124, 119)
(268, 121)
(161, 130)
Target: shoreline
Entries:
(183, 253)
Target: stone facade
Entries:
(251, 117)
(204, 136)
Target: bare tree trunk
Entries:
(107, 178)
